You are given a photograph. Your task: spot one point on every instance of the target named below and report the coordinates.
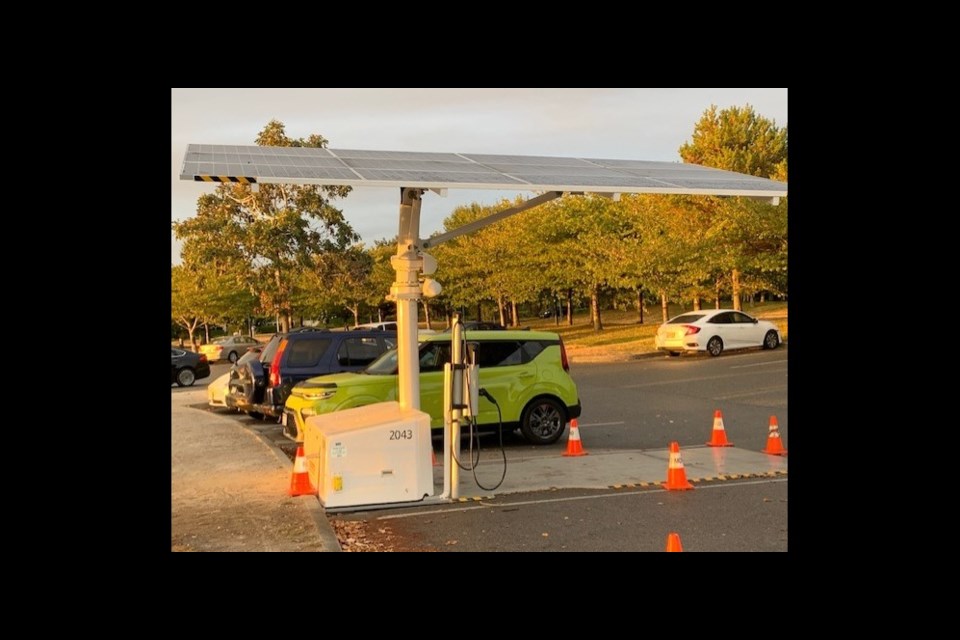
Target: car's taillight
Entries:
(563, 357)
(203, 357)
(275, 365)
(690, 329)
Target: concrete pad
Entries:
(229, 488)
(605, 468)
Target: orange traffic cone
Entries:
(676, 476)
(719, 437)
(574, 446)
(774, 446)
(300, 480)
(673, 542)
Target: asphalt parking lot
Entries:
(631, 411)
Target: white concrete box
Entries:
(376, 454)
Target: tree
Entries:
(270, 233)
(738, 139)
(347, 274)
(188, 301)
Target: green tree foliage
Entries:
(738, 139)
(201, 296)
(269, 233)
(751, 235)
(381, 278)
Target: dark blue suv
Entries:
(261, 387)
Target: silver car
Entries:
(227, 348)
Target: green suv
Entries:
(526, 372)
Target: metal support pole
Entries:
(406, 291)
(456, 360)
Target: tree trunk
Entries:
(595, 308)
(718, 293)
(570, 307)
(513, 312)
(663, 305)
(735, 277)
(448, 317)
(426, 312)
(696, 303)
(500, 310)
(640, 304)
(479, 312)
(206, 333)
(379, 314)
(356, 314)
(763, 297)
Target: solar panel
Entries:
(374, 168)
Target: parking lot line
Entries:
(758, 364)
(686, 380)
(754, 392)
(523, 503)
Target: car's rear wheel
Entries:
(543, 421)
(186, 377)
(715, 346)
(673, 354)
(771, 340)
(233, 357)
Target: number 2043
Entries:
(401, 434)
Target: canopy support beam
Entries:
(494, 217)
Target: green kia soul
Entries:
(526, 372)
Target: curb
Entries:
(310, 503)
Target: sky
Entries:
(636, 124)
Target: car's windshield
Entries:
(248, 356)
(266, 357)
(385, 365)
(690, 317)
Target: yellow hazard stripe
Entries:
(240, 179)
(731, 476)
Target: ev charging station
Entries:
(379, 455)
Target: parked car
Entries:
(260, 387)
(376, 326)
(217, 390)
(227, 348)
(473, 325)
(186, 367)
(527, 372)
(715, 330)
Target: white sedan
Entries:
(715, 330)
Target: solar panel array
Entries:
(300, 165)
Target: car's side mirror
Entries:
(755, 321)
